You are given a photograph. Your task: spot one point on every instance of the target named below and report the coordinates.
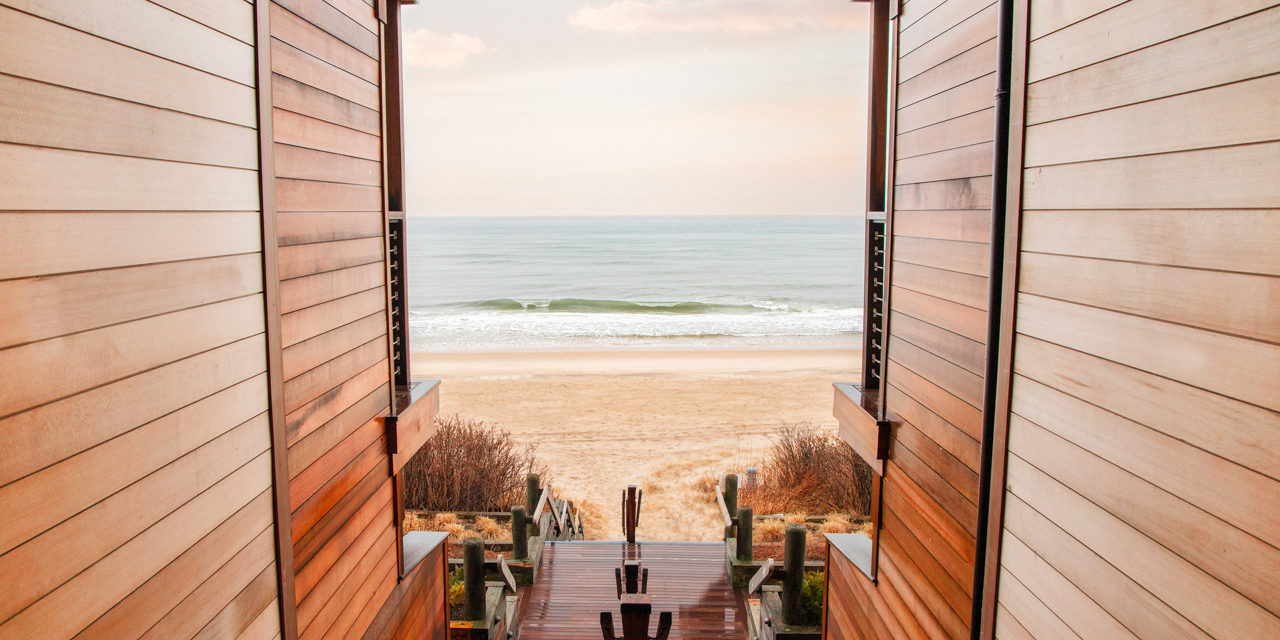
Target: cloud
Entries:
(423, 48)
(731, 16)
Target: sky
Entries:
(635, 107)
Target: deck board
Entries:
(576, 583)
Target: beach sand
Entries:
(657, 419)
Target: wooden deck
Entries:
(576, 583)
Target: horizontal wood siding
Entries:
(1142, 478)
(136, 478)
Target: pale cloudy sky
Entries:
(635, 107)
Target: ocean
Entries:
(526, 284)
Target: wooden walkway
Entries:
(575, 583)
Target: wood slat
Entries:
(965, 35)
(1230, 177)
(309, 386)
(334, 22)
(1127, 27)
(100, 586)
(304, 227)
(310, 259)
(337, 402)
(947, 406)
(339, 611)
(970, 65)
(53, 306)
(1203, 359)
(241, 612)
(50, 243)
(356, 533)
(1238, 50)
(43, 115)
(1226, 240)
(939, 490)
(1234, 303)
(311, 133)
(1239, 560)
(308, 291)
(358, 10)
(174, 585)
(970, 97)
(939, 580)
(150, 28)
(1052, 15)
(960, 288)
(299, 98)
(1160, 126)
(231, 17)
(147, 448)
(309, 354)
(955, 626)
(914, 10)
(962, 226)
(964, 131)
(955, 533)
(266, 626)
(964, 162)
(903, 519)
(313, 321)
(306, 547)
(309, 164)
(960, 477)
(951, 316)
(313, 478)
(364, 604)
(966, 193)
(1030, 611)
(1200, 418)
(1133, 605)
(932, 25)
(43, 436)
(85, 360)
(957, 381)
(37, 179)
(319, 505)
(305, 195)
(1008, 628)
(291, 62)
(973, 258)
(968, 354)
(212, 596)
(1209, 604)
(369, 542)
(919, 612)
(957, 443)
(289, 28)
(51, 53)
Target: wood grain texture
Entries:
(959, 537)
(1225, 240)
(1235, 51)
(85, 360)
(375, 535)
(1162, 510)
(903, 520)
(357, 585)
(312, 133)
(352, 534)
(962, 226)
(961, 478)
(49, 243)
(310, 259)
(309, 354)
(955, 442)
(964, 131)
(244, 609)
(1129, 26)
(54, 54)
(1037, 619)
(1209, 604)
(952, 316)
(1200, 418)
(302, 292)
(973, 258)
(968, 354)
(43, 115)
(955, 411)
(968, 66)
(299, 98)
(305, 195)
(305, 485)
(290, 29)
(960, 288)
(970, 97)
(123, 570)
(1234, 303)
(330, 522)
(1204, 359)
(965, 35)
(175, 584)
(956, 380)
(231, 17)
(1160, 126)
(965, 193)
(303, 227)
(309, 164)
(360, 11)
(911, 600)
(37, 178)
(963, 162)
(334, 22)
(920, 584)
(318, 505)
(938, 578)
(350, 404)
(313, 321)
(310, 385)
(1052, 15)
(937, 22)
(291, 62)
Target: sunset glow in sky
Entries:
(635, 107)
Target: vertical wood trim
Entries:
(1008, 315)
(877, 115)
(275, 348)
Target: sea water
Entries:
(515, 284)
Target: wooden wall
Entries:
(940, 234)
(1143, 475)
(328, 127)
(135, 479)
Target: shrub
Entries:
(811, 592)
(468, 466)
(809, 471)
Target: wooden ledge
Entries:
(412, 420)
(857, 411)
(420, 544)
(855, 547)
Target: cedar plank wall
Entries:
(136, 473)
(937, 330)
(326, 74)
(1143, 475)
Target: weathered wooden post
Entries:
(519, 532)
(730, 484)
(753, 479)
(473, 579)
(533, 491)
(744, 534)
(793, 581)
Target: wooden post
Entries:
(630, 513)
(533, 491)
(473, 579)
(745, 521)
(519, 532)
(730, 484)
(793, 565)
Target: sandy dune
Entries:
(659, 419)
